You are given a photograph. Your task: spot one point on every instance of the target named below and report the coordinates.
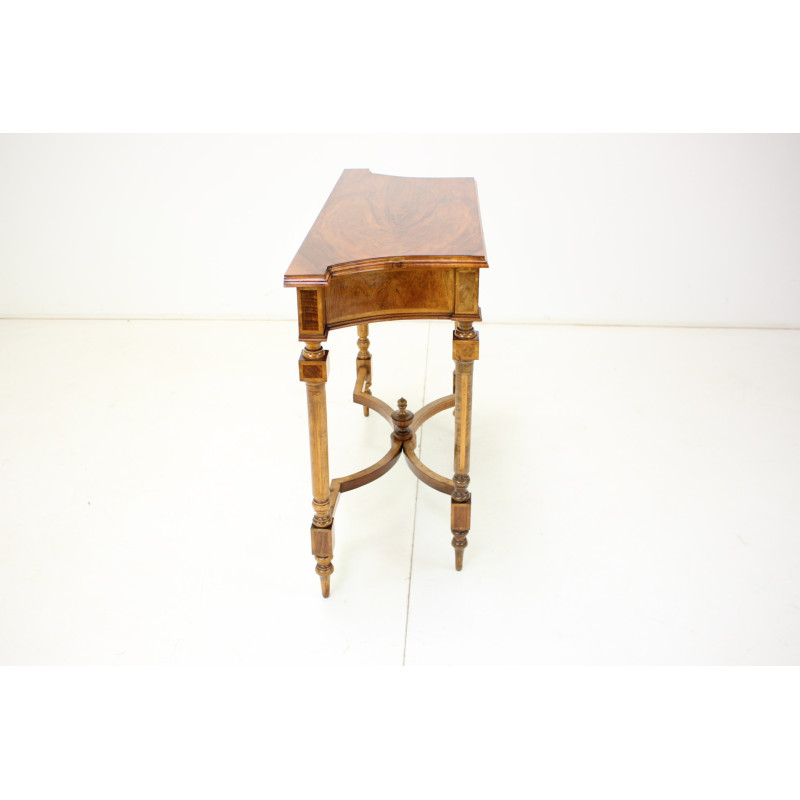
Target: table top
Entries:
(375, 221)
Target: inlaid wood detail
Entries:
(323, 541)
(313, 358)
(460, 514)
(404, 424)
(310, 313)
(465, 337)
(463, 415)
(386, 248)
(466, 301)
(313, 371)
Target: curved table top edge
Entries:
(424, 202)
(389, 263)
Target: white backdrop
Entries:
(617, 229)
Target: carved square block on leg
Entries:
(322, 541)
(314, 370)
(460, 513)
(466, 349)
(459, 523)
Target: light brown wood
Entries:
(366, 399)
(434, 407)
(426, 474)
(465, 352)
(388, 248)
(364, 361)
(365, 476)
(313, 371)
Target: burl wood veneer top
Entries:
(375, 221)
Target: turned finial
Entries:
(402, 419)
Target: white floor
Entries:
(636, 498)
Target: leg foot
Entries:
(460, 543)
(460, 512)
(322, 541)
(325, 570)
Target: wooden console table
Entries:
(389, 248)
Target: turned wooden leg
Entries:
(465, 353)
(364, 360)
(314, 373)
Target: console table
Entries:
(389, 248)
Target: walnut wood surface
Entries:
(373, 221)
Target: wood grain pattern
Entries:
(425, 473)
(371, 221)
(383, 248)
(310, 313)
(466, 300)
(411, 293)
(434, 407)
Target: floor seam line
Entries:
(416, 496)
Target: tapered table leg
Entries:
(465, 353)
(314, 373)
(364, 360)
